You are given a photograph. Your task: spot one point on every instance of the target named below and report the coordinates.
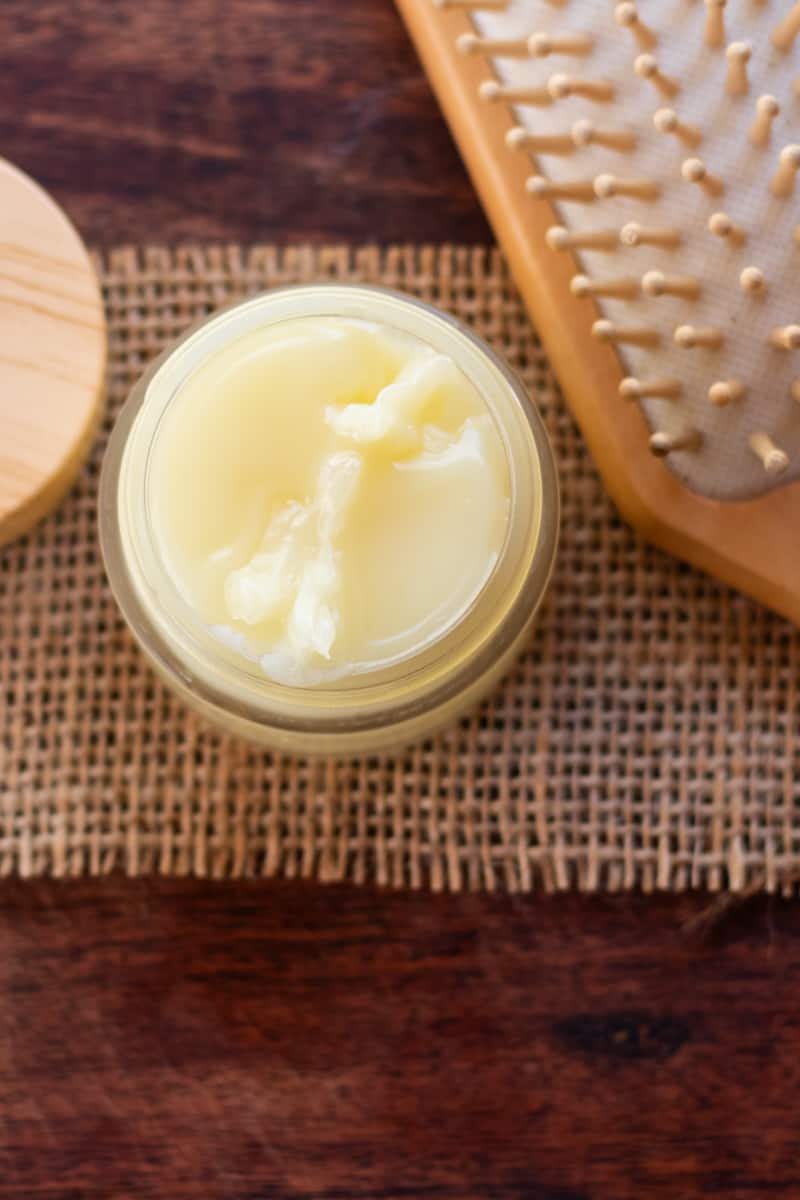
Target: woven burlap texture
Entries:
(648, 737)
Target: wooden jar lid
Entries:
(52, 353)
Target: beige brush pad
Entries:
(725, 466)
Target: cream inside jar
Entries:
(329, 514)
(330, 495)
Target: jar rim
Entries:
(206, 678)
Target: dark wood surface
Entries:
(256, 120)
(180, 1039)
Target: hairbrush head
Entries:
(680, 173)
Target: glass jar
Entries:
(378, 710)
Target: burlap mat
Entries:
(648, 738)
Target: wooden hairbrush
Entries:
(640, 163)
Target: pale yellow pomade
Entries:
(328, 495)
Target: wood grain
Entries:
(52, 353)
(179, 1039)
(248, 120)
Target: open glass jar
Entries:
(375, 709)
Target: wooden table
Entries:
(176, 1038)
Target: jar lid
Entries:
(52, 353)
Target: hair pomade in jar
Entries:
(329, 515)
